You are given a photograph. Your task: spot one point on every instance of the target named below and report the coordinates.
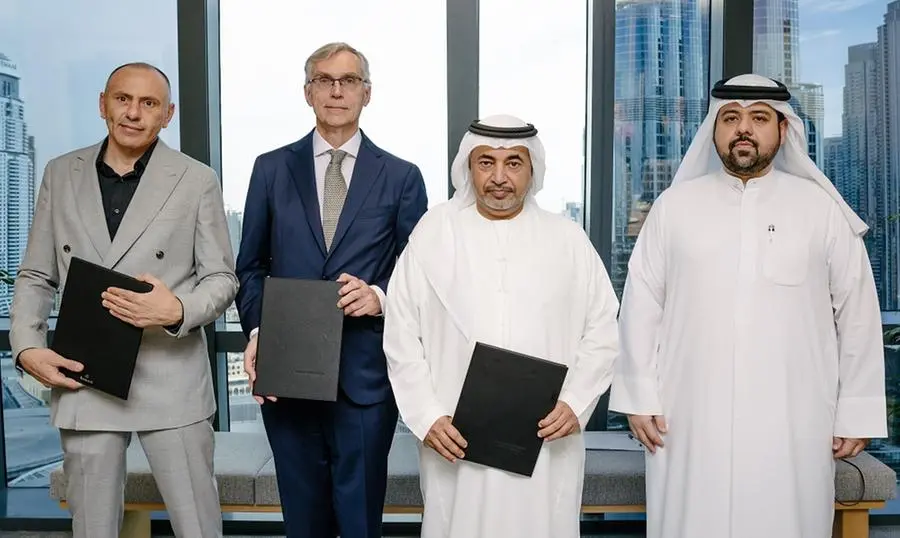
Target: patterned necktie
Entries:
(335, 193)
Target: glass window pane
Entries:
(847, 108)
(844, 84)
(533, 65)
(52, 71)
(264, 46)
(661, 97)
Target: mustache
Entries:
(742, 138)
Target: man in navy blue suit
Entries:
(331, 206)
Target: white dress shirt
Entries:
(321, 159)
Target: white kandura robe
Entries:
(762, 302)
(533, 284)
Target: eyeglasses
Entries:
(324, 82)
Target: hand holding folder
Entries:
(504, 397)
(156, 307)
(299, 346)
(446, 440)
(88, 333)
(561, 422)
(46, 366)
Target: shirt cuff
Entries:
(18, 364)
(380, 294)
(254, 332)
(635, 395)
(174, 329)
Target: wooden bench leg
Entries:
(135, 524)
(851, 524)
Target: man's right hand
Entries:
(43, 364)
(250, 367)
(648, 429)
(446, 440)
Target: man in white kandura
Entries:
(752, 351)
(492, 266)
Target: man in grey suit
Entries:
(173, 235)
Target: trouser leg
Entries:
(181, 460)
(94, 464)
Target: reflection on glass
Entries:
(661, 97)
(243, 411)
(533, 65)
(852, 120)
(48, 106)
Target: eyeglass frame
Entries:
(317, 82)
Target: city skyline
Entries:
(865, 157)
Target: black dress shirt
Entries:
(117, 191)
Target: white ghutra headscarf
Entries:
(792, 158)
(439, 242)
(501, 131)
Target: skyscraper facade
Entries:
(661, 89)
(887, 163)
(17, 188)
(776, 39)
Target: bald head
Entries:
(145, 66)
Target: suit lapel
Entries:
(303, 172)
(156, 185)
(366, 170)
(89, 200)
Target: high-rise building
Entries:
(661, 91)
(835, 164)
(776, 39)
(808, 102)
(859, 179)
(859, 131)
(776, 54)
(887, 53)
(234, 220)
(17, 186)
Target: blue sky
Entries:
(827, 29)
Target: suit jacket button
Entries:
(66, 248)
(159, 254)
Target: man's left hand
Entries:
(357, 298)
(157, 307)
(559, 423)
(845, 447)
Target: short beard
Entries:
(513, 201)
(754, 166)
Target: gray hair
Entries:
(327, 51)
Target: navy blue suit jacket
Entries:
(282, 237)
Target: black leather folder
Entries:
(299, 348)
(504, 396)
(88, 333)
